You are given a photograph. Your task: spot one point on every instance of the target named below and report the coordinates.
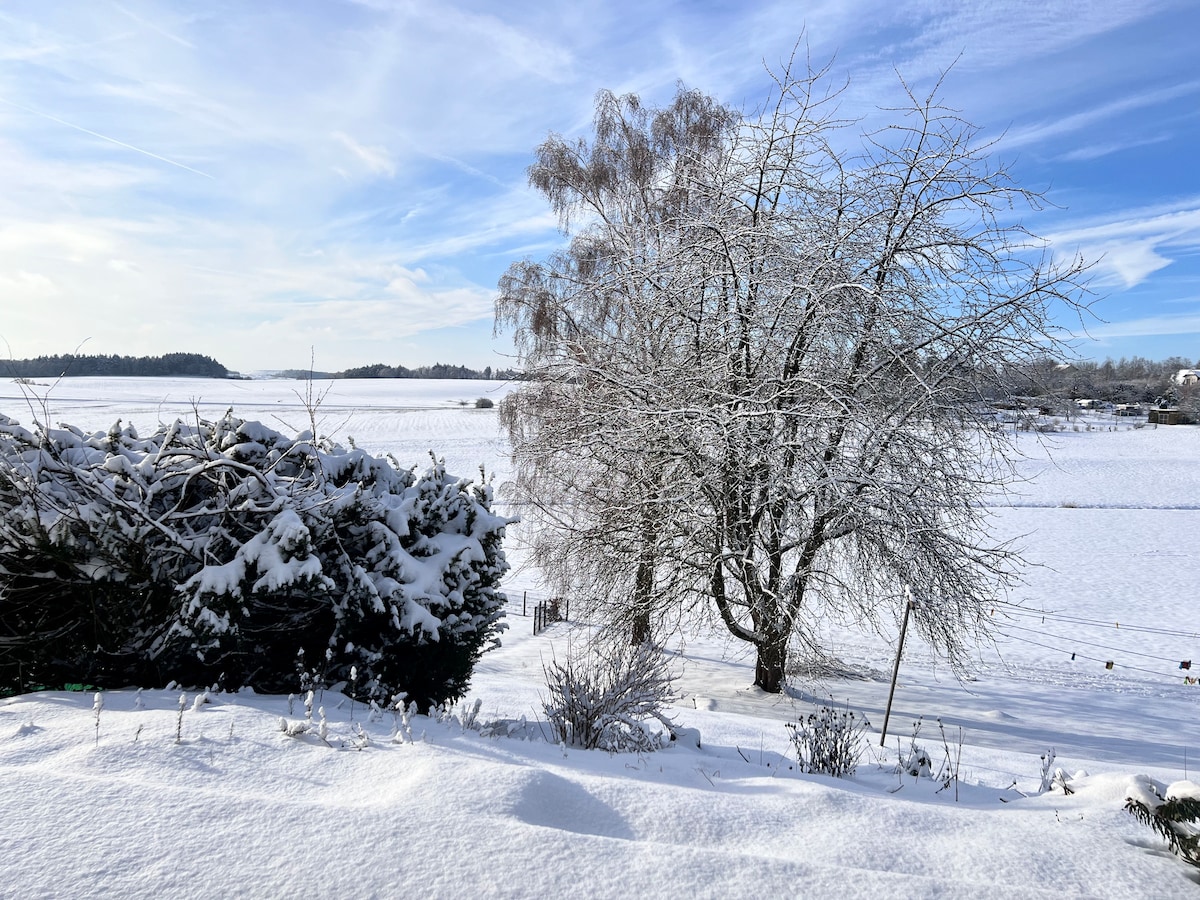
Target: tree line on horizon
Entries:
(1126, 380)
(199, 366)
(442, 371)
(70, 364)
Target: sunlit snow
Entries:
(147, 795)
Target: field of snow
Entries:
(143, 799)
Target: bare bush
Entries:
(828, 742)
(608, 696)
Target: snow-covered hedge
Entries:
(226, 552)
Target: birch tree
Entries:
(757, 368)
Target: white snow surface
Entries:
(112, 804)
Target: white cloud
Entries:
(1096, 151)
(376, 159)
(1041, 131)
(27, 286)
(1134, 261)
(154, 28)
(1136, 243)
(1148, 326)
(997, 34)
(366, 161)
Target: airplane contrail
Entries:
(105, 137)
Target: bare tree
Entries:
(603, 339)
(757, 369)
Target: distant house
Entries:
(1173, 416)
(1128, 409)
(1187, 376)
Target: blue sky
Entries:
(267, 181)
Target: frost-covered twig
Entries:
(179, 719)
(97, 705)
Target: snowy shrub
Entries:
(916, 762)
(464, 717)
(212, 552)
(606, 697)
(484, 403)
(828, 742)
(1174, 814)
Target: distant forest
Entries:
(193, 365)
(171, 364)
(1129, 380)
(437, 370)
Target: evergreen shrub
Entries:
(216, 552)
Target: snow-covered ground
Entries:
(116, 805)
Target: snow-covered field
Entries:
(115, 805)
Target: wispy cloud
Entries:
(376, 159)
(1134, 244)
(152, 27)
(1148, 326)
(1096, 151)
(345, 175)
(105, 137)
(1041, 131)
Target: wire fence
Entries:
(1117, 653)
(543, 608)
(546, 609)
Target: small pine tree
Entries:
(1175, 818)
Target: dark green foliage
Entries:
(436, 371)
(169, 364)
(1175, 819)
(216, 552)
(378, 370)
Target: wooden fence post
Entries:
(896, 669)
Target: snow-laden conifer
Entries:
(207, 552)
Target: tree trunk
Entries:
(643, 585)
(639, 632)
(769, 663)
